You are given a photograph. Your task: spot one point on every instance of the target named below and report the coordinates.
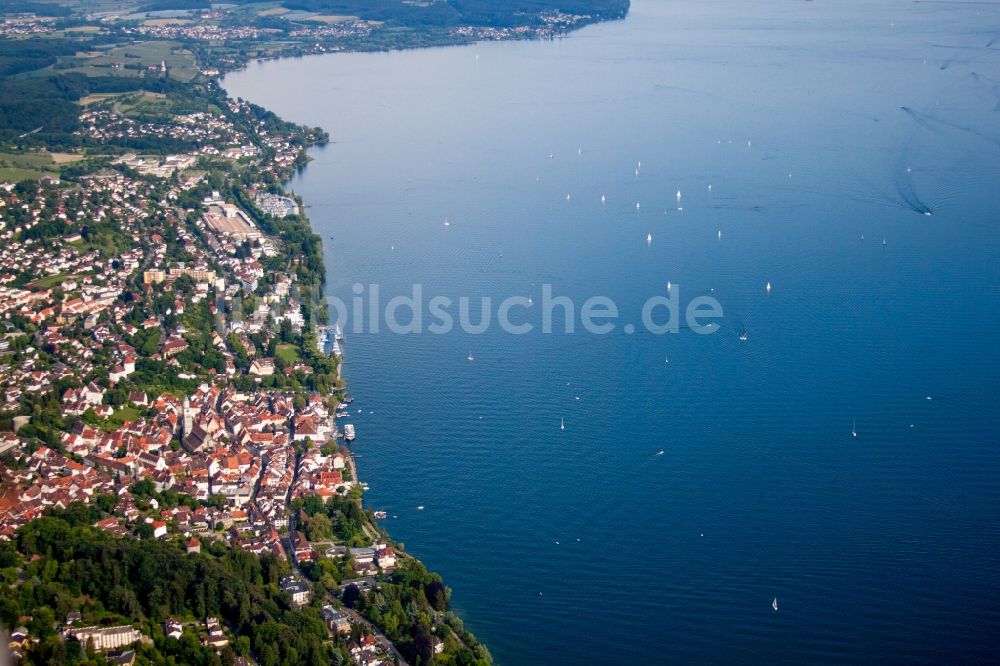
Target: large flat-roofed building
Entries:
(231, 221)
(196, 274)
(105, 638)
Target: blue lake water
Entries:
(816, 124)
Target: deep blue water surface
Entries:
(816, 124)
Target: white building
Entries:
(105, 638)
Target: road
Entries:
(354, 616)
(386, 644)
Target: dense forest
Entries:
(39, 8)
(70, 566)
(50, 103)
(59, 564)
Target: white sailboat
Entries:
(678, 196)
(720, 234)
(774, 604)
(603, 198)
(669, 286)
(470, 355)
(854, 428)
(649, 239)
(562, 424)
(637, 205)
(768, 287)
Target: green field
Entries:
(287, 353)
(21, 166)
(123, 414)
(132, 60)
(51, 281)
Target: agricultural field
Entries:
(133, 60)
(330, 18)
(15, 166)
(159, 22)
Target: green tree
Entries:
(42, 623)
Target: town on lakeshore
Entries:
(176, 482)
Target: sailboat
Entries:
(768, 287)
(562, 424)
(669, 286)
(603, 199)
(774, 604)
(720, 234)
(470, 355)
(854, 428)
(649, 238)
(678, 196)
(637, 205)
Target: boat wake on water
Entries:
(935, 124)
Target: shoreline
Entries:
(253, 461)
(344, 388)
